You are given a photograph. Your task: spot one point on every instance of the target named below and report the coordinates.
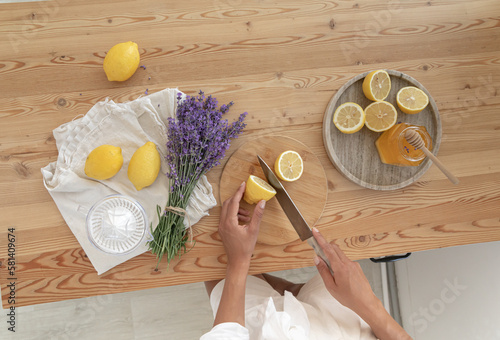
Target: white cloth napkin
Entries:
(128, 126)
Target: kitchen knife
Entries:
(292, 212)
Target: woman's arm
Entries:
(239, 243)
(382, 323)
(350, 287)
(232, 302)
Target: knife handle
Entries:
(314, 244)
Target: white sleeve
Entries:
(227, 331)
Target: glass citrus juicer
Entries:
(116, 224)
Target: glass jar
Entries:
(394, 149)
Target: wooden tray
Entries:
(355, 155)
(309, 192)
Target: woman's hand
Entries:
(350, 287)
(239, 240)
(349, 284)
(239, 243)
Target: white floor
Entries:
(178, 312)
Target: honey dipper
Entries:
(416, 141)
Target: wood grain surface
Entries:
(279, 61)
(355, 155)
(309, 193)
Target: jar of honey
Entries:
(393, 148)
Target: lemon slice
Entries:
(349, 118)
(412, 100)
(377, 85)
(257, 190)
(289, 166)
(380, 116)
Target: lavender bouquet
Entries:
(198, 138)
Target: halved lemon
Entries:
(257, 190)
(289, 166)
(377, 85)
(412, 100)
(380, 116)
(349, 118)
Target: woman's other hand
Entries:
(239, 239)
(349, 284)
(350, 287)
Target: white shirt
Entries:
(313, 314)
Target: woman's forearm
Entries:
(232, 302)
(383, 324)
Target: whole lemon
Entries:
(144, 166)
(121, 61)
(104, 162)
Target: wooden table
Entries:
(279, 61)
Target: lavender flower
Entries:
(198, 139)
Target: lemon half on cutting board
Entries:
(289, 166)
(257, 190)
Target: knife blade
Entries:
(292, 212)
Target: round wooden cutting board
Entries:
(309, 192)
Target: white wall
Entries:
(451, 293)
